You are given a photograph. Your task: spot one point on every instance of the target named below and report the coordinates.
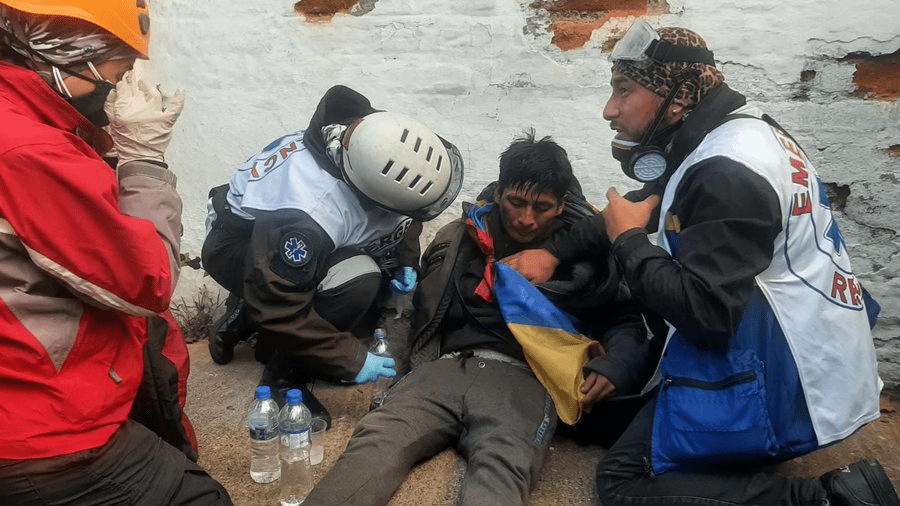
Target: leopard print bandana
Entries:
(660, 78)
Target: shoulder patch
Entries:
(295, 249)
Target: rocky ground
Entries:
(218, 397)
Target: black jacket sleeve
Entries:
(609, 316)
(286, 261)
(727, 220)
(629, 359)
(589, 235)
(585, 238)
(409, 250)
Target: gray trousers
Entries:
(495, 414)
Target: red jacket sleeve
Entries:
(61, 200)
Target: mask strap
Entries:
(660, 114)
(99, 80)
(93, 69)
(60, 84)
(57, 74)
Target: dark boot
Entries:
(862, 483)
(228, 330)
(281, 379)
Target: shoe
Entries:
(315, 406)
(228, 330)
(281, 380)
(862, 483)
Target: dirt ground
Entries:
(218, 397)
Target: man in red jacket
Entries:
(88, 260)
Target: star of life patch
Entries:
(294, 250)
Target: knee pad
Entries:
(347, 270)
(348, 290)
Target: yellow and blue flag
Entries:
(554, 348)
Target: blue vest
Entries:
(800, 370)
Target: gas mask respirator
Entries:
(641, 47)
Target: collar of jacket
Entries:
(340, 105)
(23, 92)
(711, 112)
(703, 119)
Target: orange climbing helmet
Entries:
(129, 20)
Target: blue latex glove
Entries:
(404, 280)
(374, 367)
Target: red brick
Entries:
(323, 10)
(877, 77)
(599, 5)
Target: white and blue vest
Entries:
(285, 175)
(800, 371)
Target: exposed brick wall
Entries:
(877, 77)
(324, 10)
(573, 21)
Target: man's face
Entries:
(631, 108)
(526, 215)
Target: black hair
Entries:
(538, 166)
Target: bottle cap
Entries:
(380, 333)
(263, 392)
(294, 396)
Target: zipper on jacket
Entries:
(730, 381)
(435, 255)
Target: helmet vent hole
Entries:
(404, 135)
(387, 168)
(418, 144)
(437, 167)
(428, 155)
(425, 189)
(401, 175)
(414, 182)
(144, 23)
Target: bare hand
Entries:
(595, 388)
(622, 215)
(536, 265)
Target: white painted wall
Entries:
(481, 71)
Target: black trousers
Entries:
(350, 286)
(624, 478)
(135, 467)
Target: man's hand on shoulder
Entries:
(536, 265)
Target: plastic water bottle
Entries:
(262, 420)
(296, 471)
(380, 347)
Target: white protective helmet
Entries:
(401, 165)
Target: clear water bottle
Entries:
(380, 347)
(262, 420)
(296, 471)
